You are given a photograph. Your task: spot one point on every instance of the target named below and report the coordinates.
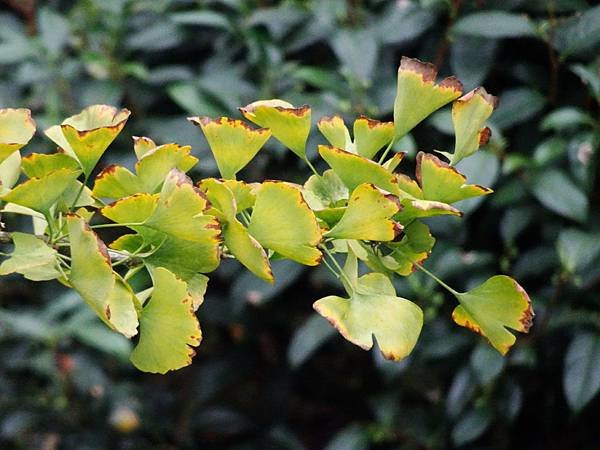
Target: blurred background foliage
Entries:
(269, 373)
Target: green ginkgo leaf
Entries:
(336, 133)
(324, 191)
(368, 216)
(142, 145)
(238, 241)
(175, 223)
(243, 193)
(414, 248)
(87, 135)
(371, 135)
(374, 310)
(355, 170)
(151, 170)
(282, 221)
(169, 328)
(492, 308)
(37, 165)
(93, 278)
(16, 130)
(40, 194)
(32, 258)
(418, 95)
(441, 183)
(289, 125)
(469, 114)
(10, 171)
(233, 143)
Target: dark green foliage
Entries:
(256, 384)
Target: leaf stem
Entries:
(112, 225)
(312, 167)
(386, 151)
(85, 180)
(440, 282)
(340, 270)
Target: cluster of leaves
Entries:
(66, 377)
(359, 207)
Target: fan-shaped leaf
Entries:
(289, 125)
(368, 216)
(232, 142)
(418, 96)
(16, 130)
(168, 327)
(371, 135)
(492, 307)
(32, 258)
(282, 221)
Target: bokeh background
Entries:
(270, 374)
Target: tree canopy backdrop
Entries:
(270, 374)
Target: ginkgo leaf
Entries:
(10, 171)
(324, 191)
(413, 248)
(169, 328)
(336, 133)
(142, 145)
(368, 216)
(282, 221)
(469, 114)
(32, 258)
(442, 183)
(374, 310)
(41, 193)
(371, 135)
(92, 276)
(354, 169)
(417, 95)
(492, 308)
(419, 209)
(87, 135)
(232, 142)
(37, 165)
(243, 193)
(16, 130)
(289, 125)
(238, 241)
(151, 170)
(187, 240)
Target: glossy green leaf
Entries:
(469, 114)
(373, 310)
(16, 130)
(581, 377)
(168, 327)
(40, 194)
(238, 241)
(368, 216)
(557, 192)
(371, 135)
(417, 95)
(87, 135)
(493, 307)
(92, 276)
(355, 170)
(151, 170)
(282, 221)
(494, 24)
(32, 258)
(232, 142)
(442, 183)
(289, 125)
